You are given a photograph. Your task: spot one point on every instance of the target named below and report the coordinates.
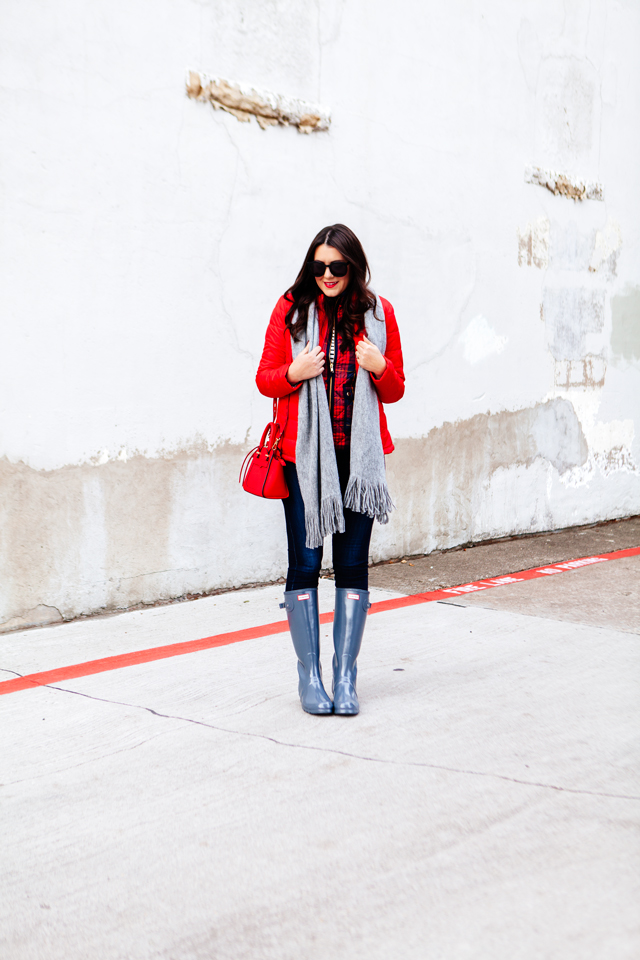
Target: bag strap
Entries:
(280, 432)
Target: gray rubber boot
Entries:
(304, 625)
(348, 626)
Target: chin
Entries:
(335, 292)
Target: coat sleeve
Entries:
(271, 377)
(390, 385)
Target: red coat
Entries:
(277, 356)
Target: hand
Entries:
(307, 365)
(370, 358)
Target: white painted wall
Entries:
(146, 239)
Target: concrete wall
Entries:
(146, 238)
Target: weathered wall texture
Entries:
(487, 155)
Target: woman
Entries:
(332, 356)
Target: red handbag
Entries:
(262, 471)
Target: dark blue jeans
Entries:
(350, 549)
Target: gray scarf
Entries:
(315, 454)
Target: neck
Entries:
(332, 305)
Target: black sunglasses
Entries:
(338, 268)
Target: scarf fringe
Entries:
(370, 497)
(330, 520)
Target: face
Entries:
(331, 286)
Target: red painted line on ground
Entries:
(534, 574)
(119, 661)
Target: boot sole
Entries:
(318, 713)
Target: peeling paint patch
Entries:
(557, 436)
(610, 446)
(462, 479)
(569, 248)
(594, 250)
(533, 244)
(615, 460)
(612, 434)
(244, 102)
(606, 248)
(480, 340)
(590, 371)
(625, 333)
(564, 185)
(571, 314)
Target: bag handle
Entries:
(272, 430)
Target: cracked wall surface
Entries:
(147, 238)
(98, 537)
(95, 537)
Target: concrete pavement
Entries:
(481, 806)
(477, 561)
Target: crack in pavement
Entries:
(83, 763)
(353, 756)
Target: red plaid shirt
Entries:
(340, 386)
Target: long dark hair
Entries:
(354, 301)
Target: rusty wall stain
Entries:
(564, 184)
(243, 103)
(589, 371)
